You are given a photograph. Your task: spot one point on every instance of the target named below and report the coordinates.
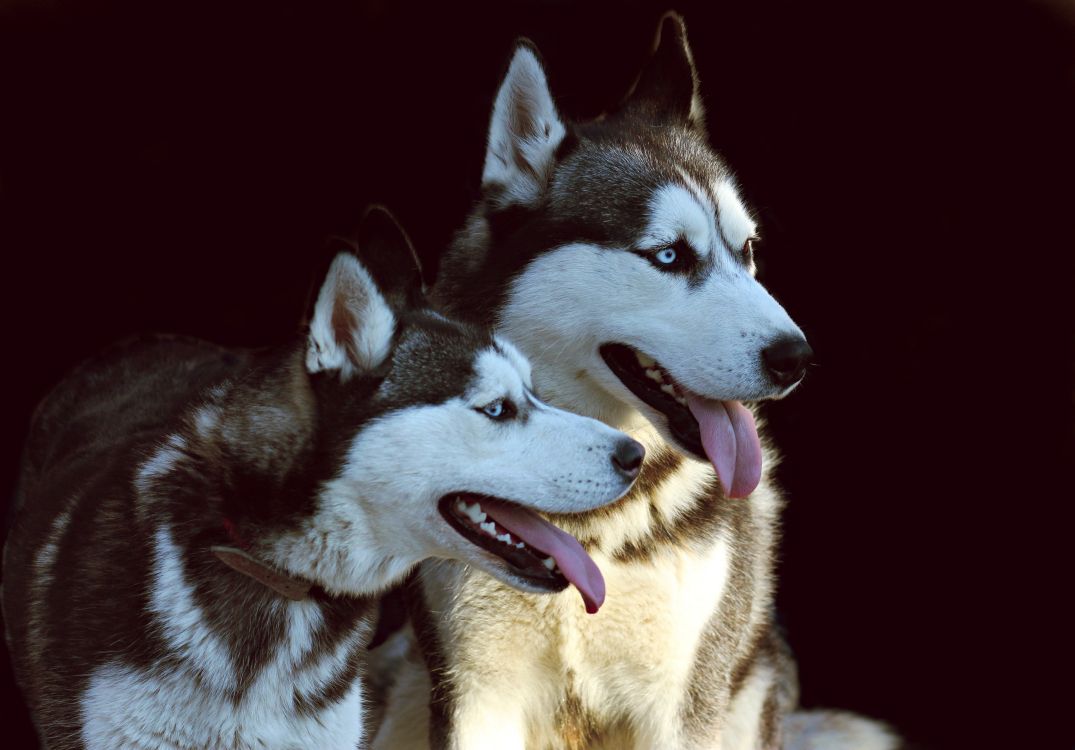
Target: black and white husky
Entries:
(202, 533)
(618, 255)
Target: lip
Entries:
(525, 563)
(624, 363)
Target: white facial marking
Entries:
(516, 358)
(378, 518)
(497, 378)
(675, 212)
(735, 223)
(705, 335)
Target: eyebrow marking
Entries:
(707, 202)
(720, 229)
(730, 209)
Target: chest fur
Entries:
(575, 674)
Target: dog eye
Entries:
(499, 410)
(667, 256)
(676, 257)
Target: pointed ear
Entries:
(524, 132)
(353, 326)
(389, 256)
(667, 87)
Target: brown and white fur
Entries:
(626, 230)
(317, 470)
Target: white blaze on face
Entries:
(548, 459)
(400, 466)
(676, 213)
(707, 332)
(736, 226)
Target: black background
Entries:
(178, 166)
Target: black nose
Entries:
(627, 458)
(786, 359)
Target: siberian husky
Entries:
(202, 533)
(618, 255)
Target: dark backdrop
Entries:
(178, 166)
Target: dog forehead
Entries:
(677, 211)
(433, 362)
(613, 186)
(498, 374)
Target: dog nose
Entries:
(627, 458)
(786, 359)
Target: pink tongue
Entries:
(541, 535)
(730, 439)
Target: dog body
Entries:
(618, 255)
(202, 533)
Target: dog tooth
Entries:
(666, 388)
(655, 375)
(489, 528)
(520, 545)
(549, 563)
(505, 538)
(474, 513)
(460, 506)
(645, 360)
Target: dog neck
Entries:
(240, 560)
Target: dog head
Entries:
(438, 446)
(618, 255)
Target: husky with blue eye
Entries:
(618, 256)
(202, 534)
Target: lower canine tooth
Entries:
(549, 563)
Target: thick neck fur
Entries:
(257, 464)
(245, 470)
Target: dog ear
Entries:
(353, 325)
(524, 132)
(388, 255)
(667, 86)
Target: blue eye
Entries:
(667, 256)
(500, 410)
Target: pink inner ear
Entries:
(343, 325)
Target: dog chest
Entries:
(648, 632)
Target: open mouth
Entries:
(645, 378)
(544, 556)
(721, 431)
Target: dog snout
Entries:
(786, 359)
(627, 457)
